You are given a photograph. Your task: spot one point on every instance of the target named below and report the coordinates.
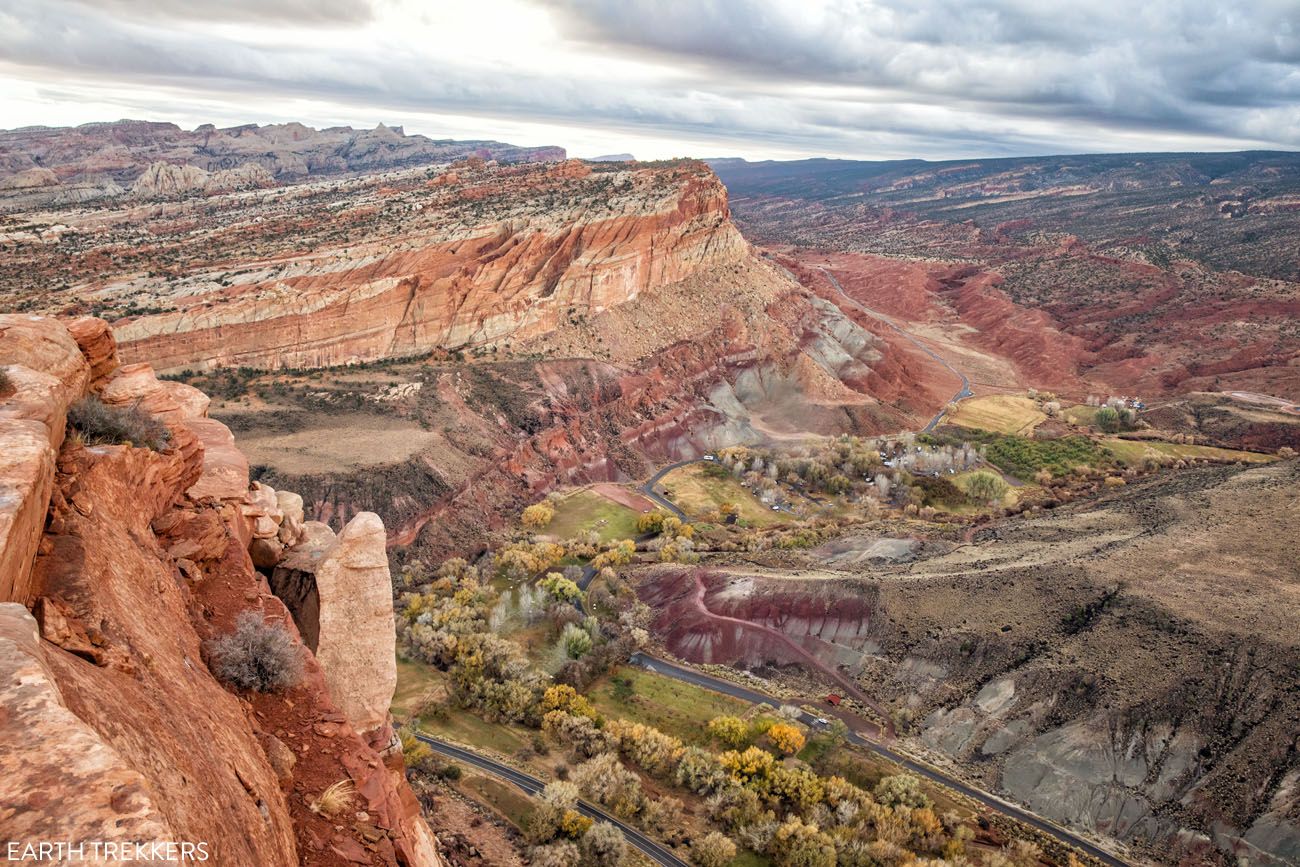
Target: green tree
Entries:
(1108, 419)
(986, 487)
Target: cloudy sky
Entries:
(658, 78)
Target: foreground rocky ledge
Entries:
(119, 564)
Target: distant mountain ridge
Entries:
(61, 165)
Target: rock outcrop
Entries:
(166, 180)
(357, 643)
(480, 261)
(112, 727)
(41, 166)
(47, 373)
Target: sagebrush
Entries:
(257, 656)
(101, 424)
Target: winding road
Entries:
(689, 675)
(962, 393)
(656, 852)
(726, 687)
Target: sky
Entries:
(763, 79)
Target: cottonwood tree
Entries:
(712, 850)
(603, 846)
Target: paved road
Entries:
(649, 487)
(530, 784)
(688, 675)
(961, 395)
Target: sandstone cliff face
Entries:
(40, 166)
(444, 277)
(113, 728)
(163, 180)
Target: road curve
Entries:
(649, 487)
(963, 393)
(688, 675)
(654, 851)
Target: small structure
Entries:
(834, 700)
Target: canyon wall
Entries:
(433, 280)
(112, 728)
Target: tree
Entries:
(576, 640)
(730, 730)
(901, 790)
(538, 515)
(559, 588)
(1108, 419)
(650, 522)
(603, 846)
(565, 698)
(798, 844)
(786, 738)
(712, 850)
(986, 487)
(604, 779)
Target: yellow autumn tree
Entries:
(786, 738)
(538, 515)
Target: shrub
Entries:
(101, 424)
(712, 850)
(334, 800)
(6, 382)
(901, 790)
(258, 656)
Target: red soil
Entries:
(695, 632)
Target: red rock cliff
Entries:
(112, 728)
(487, 257)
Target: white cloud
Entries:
(887, 78)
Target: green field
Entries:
(675, 708)
(414, 679)
(583, 511)
(699, 489)
(1001, 413)
(1135, 451)
(1081, 414)
(507, 800)
(1022, 457)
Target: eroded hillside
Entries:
(1127, 665)
(1150, 273)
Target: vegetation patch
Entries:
(675, 708)
(99, 423)
(703, 489)
(1023, 457)
(1001, 413)
(585, 511)
(1136, 451)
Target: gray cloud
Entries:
(854, 78)
(1171, 64)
